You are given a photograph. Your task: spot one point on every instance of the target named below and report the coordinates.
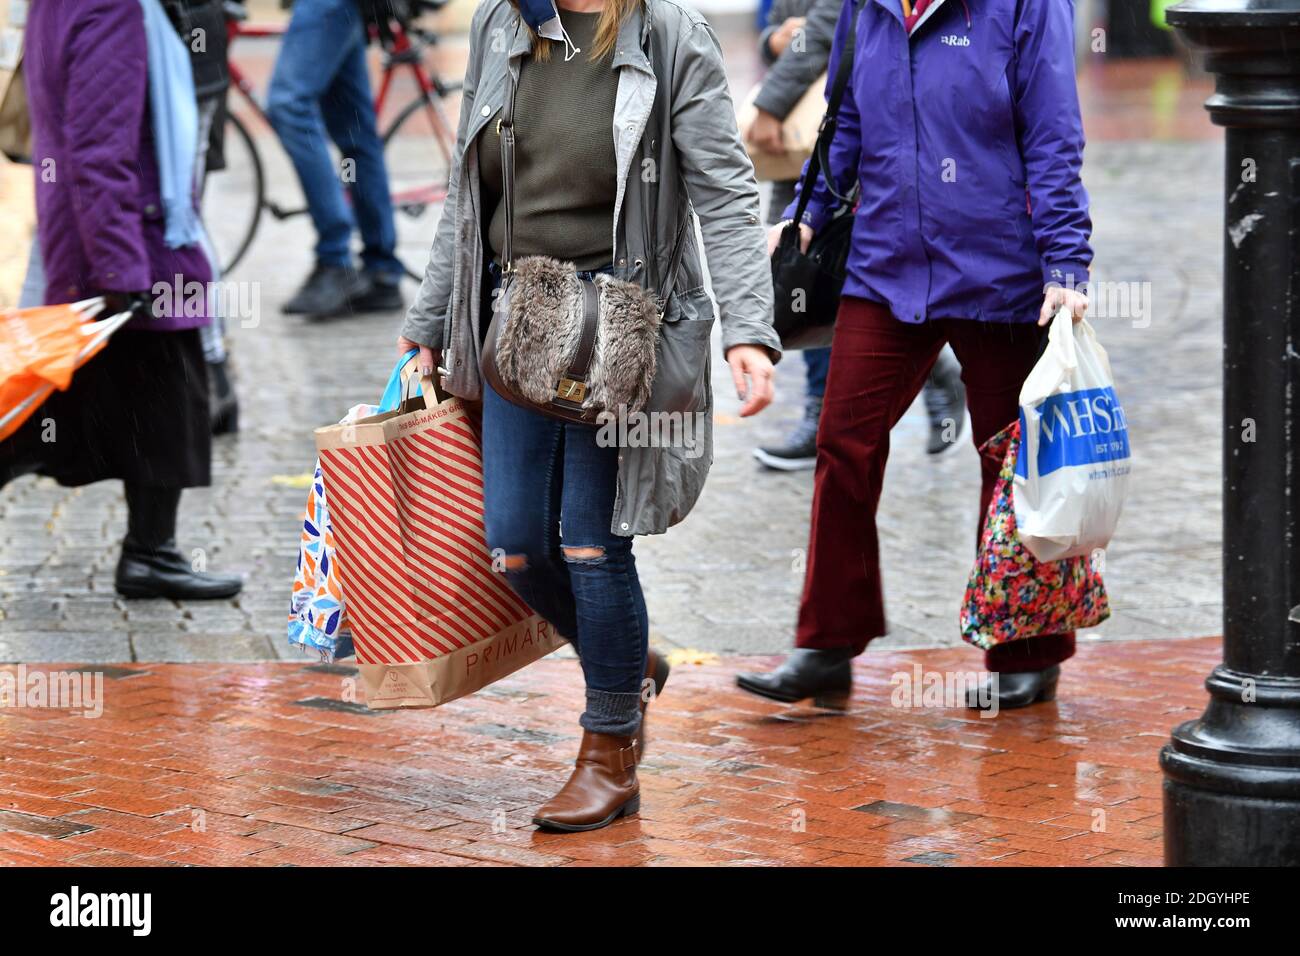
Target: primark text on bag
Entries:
(1072, 472)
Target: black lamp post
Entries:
(1232, 778)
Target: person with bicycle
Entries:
(320, 91)
(561, 504)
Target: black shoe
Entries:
(381, 294)
(824, 675)
(945, 403)
(223, 404)
(329, 290)
(163, 572)
(800, 449)
(1015, 690)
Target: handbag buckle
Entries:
(571, 390)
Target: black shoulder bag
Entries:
(807, 286)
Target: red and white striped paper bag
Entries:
(431, 620)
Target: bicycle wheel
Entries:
(418, 149)
(232, 196)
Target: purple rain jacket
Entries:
(98, 210)
(967, 141)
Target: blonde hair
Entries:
(612, 15)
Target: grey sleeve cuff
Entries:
(752, 332)
(777, 98)
(424, 329)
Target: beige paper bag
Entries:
(431, 619)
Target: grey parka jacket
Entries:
(677, 149)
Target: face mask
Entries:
(544, 18)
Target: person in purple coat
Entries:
(961, 125)
(138, 411)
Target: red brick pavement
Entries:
(264, 764)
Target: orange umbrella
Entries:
(40, 348)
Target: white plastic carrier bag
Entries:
(1072, 473)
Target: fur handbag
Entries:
(564, 346)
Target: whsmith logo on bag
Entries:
(1078, 428)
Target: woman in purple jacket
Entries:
(961, 123)
(138, 411)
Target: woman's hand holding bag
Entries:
(430, 359)
(774, 236)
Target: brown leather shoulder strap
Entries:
(572, 387)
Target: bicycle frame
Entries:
(235, 29)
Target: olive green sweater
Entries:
(564, 155)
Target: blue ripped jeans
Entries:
(547, 487)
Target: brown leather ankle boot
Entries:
(656, 671)
(602, 788)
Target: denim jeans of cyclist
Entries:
(320, 87)
(548, 485)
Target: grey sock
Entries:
(609, 713)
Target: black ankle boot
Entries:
(162, 571)
(824, 675)
(1015, 690)
(223, 404)
(151, 566)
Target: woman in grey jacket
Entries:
(562, 503)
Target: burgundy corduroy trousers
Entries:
(878, 365)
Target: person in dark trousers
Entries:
(795, 46)
(137, 411)
(964, 118)
(320, 91)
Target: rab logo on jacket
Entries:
(1078, 428)
(953, 40)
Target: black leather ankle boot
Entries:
(151, 566)
(824, 675)
(163, 572)
(1015, 689)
